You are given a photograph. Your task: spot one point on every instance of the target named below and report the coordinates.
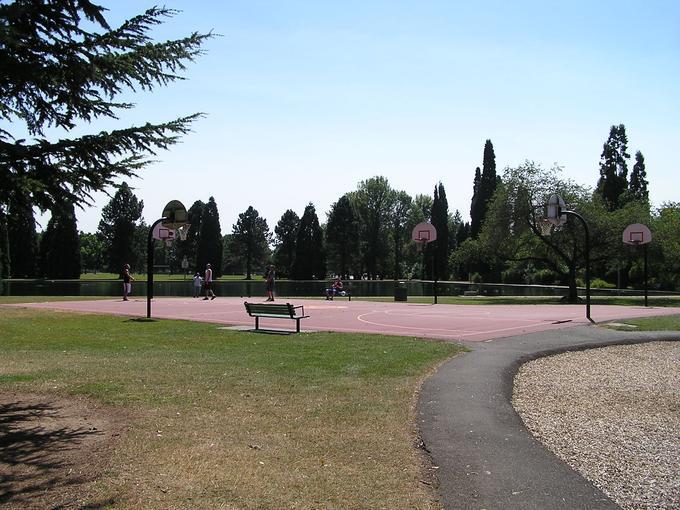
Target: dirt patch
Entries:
(53, 450)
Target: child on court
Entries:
(198, 282)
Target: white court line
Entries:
(417, 328)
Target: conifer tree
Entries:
(64, 66)
(286, 234)
(440, 221)
(210, 247)
(23, 245)
(4, 245)
(342, 237)
(613, 181)
(484, 187)
(638, 179)
(251, 238)
(310, 259)
(60, 245)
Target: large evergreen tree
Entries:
(613, 181)
(64, 66)
(484, 187)
(251, 237)
(60, 245)
(440, 221)
(342, 237)
(310, 259)
(117, 228)
(638, 179)
(23, 245)
(401, 233)
(210, 247)
(189, 248)
(286, 235)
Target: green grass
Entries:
(664, 323)
(325, 419)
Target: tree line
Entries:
(64, 66)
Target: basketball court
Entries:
(470, 323)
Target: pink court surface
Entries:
(470, 323)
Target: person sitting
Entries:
(334, 289)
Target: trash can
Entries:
(400, 293)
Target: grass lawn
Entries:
(228, 419)
(663, 323)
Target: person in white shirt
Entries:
(209, 294)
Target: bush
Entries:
(599, 283)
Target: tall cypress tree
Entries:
(638, 179)
(210, 240)
(286, 234)
(23, 245)
(484, 187)
(64, 66)
(613, 181)
(60, 245)
(189, 248)
(310, 259)
(440, 221)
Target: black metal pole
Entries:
(434, 270)
(587, 255)
(149, 268)
(644, 248)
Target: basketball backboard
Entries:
(163, 233)
(554, 210)
(175, 215)
(637, 233)
(424, 233)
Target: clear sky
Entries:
(305, 99)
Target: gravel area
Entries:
(612, 414)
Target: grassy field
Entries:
(227, 419)
(664, 323)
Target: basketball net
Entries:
(420, 244)
(545, 226)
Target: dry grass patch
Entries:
(227, 419)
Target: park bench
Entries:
(275, 311)
(347, 295)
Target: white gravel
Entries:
(612, 414)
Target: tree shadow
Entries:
(33, 457)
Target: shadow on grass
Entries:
(32, 456)
(141, 319)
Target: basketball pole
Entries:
(644, 251)
(587, 256)
(149, 268)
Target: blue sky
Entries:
(306, 99)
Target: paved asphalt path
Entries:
(486, 457)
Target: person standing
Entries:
(127, 282)
(198, 282)
(208, 283)
(270, 278)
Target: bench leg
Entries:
(297, 329)
(257, 323)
